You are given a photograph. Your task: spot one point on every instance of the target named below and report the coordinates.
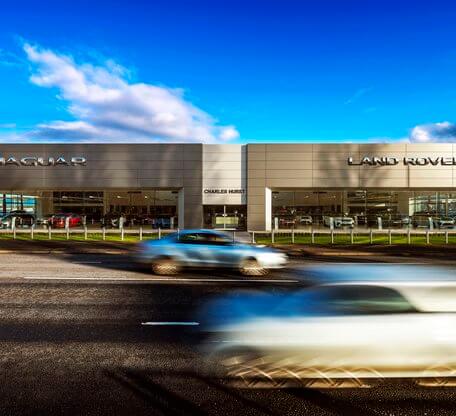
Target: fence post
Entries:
(446, 237)
(272, 237)
(332, 236)
(390, 237)
(371, 236)
(140, 234)
(85, 232)
(104, 233)
(50, 232)
(427, 236)
(253, 237)
(292, 236)
(351, 236)
(160, 233)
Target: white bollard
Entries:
(140, 234)
(446, 237)
(253, 237)
(85, 233)
(32, 230)
(292, 236)
(49, 232)
(351, 236)
(332, 236)
(68, 233)
(390, 240)
(427, 237)
(160, 233)
(409, 238)
(312, 237)
(104, 233)
(272, 237)
(122, 234)
(371, 236)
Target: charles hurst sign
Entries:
(407, 161)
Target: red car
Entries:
(59, 220)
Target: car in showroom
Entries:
(23, 219)
(339, 222)
(207, 249)
(444, 222)
(334, 335)
(60, 220)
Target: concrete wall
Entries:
(324, 166)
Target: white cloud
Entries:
(107, 107)
(444, 132)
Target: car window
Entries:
(188, 238)
(213, 238)
(348, 300)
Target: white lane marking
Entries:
(158, 279)
(170, 323)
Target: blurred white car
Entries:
(335, 333)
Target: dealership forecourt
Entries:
(254, 187)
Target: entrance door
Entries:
(225, 217)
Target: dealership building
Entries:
(245, 187)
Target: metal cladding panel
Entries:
(220, 185)
(326, 166)
(107, 166)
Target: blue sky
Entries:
(227, 71)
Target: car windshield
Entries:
(347, 300)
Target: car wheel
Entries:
(165, 267)
(251, 267)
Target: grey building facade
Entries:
(253, 186)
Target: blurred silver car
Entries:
(337, 334)
(207, 248)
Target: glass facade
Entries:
(157, 208)
(363, 208)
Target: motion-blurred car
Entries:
(331, 334)
(59, 220)
(207, 248)
(23, 219)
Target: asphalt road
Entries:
(73, 341)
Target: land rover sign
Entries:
(407, 161)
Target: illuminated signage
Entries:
(407, 161)
(41, 161)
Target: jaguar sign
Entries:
(41, 161)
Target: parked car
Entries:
(340, 222)
(306, 220)
(444, 222)
(23, 219)
(207, 248)
(59, 220)
(334, 333)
